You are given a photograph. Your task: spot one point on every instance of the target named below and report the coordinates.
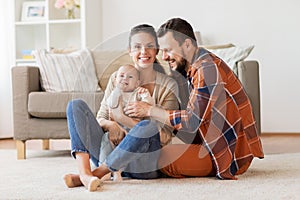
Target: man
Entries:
(217, 125)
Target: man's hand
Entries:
(138, 109)
(142, 109)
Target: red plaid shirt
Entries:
(220, 110)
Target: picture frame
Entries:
(33, 10)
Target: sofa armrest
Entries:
(248, 73)
(25, 79)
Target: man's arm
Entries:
(201, 101)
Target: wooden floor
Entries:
(272, 143)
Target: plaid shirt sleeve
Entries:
(204, 92)
(220, 110)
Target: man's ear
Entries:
(188, 43)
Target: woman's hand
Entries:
(116, 132)
(138, 109)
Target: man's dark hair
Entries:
(180, 28)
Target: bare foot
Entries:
(92, 183)
(117, 176)
(72, 180)
(101, 171)
(106, 177)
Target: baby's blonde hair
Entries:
(130, 67)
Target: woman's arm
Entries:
(103, 111)
(116, 132)
(167, 100)
(119, 116)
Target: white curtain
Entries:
(6, 61)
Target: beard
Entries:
(181, 66)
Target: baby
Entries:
(127, 88)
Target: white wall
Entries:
(6, 126)
(271, 25)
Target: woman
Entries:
(136, 153)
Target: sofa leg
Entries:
(46, 144)
(21, 149)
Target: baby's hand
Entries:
(143, 92)
(145, 96)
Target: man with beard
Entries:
(217, 125)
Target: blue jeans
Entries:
(136, 155)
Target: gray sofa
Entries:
(41, 115)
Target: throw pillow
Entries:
(232, 55)
(218, 46)
(71, 72)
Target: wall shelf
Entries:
(54, 30)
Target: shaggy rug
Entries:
(40, 177)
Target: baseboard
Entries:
(6, 138)
(280, 134)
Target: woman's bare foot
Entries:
(117, 176)
(106, 177)
(101, 171)
(72, 180)
(92, 183)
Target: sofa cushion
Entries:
(53, 105)
(67, 72)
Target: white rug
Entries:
(40, 177)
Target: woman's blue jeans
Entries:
(136, 155)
